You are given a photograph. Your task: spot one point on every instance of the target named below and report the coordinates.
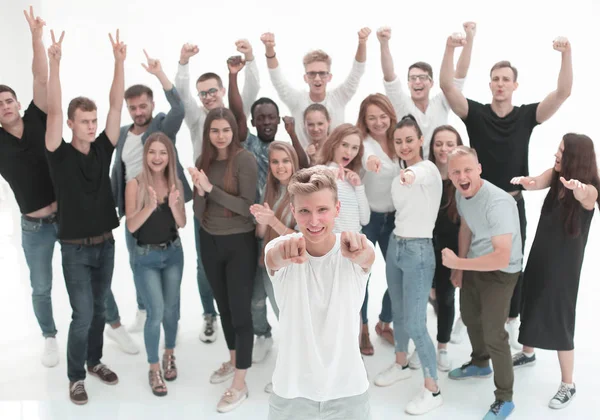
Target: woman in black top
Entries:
(154, 209)
(551, 277)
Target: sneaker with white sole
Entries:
(209, 329)
(262, 346)
(413, 361)
(392, 375)
(120, 336)
(269, 388)
(424, 402)
(563, 397)
(443, 362)
(458, 332)
(139, 322)
(77, 392)
(232, 399)
(50, 354)
(512, 327)
(225, 372)
(520, 360)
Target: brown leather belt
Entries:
(51, 218)
(93, 240)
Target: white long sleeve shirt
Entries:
(377, 185)
(354, 206)
(335, 100)
(195, 113)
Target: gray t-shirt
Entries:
(491, 212)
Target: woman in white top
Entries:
(376, 121)
(410, 267)
(343, 152)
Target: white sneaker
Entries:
(139, 322)
(269, 388)
(512, 327)
(209, 329)
(122, 338)
(458, 332)
(424, 402)
(563, 397)
(262, 346)
(50, 354)
(392, 375)
(442, 360)
(413, 361)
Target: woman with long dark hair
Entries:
(551, 277)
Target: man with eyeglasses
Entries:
(211, 93)
(429, 113)
(317, 66)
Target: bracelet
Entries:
(272, 56)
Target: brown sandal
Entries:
(366, 347)
(157, 384)
(169, 367)
(386, 333)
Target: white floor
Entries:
(30, 391)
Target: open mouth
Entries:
(269, 130)
(418, 89)
(465, 186)
(315, 230)
(345, 161)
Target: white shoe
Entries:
(413, 361)
(209, 329)
(458, 332)
(392, 375)
(512, 327)
(269, 388)
(50, 354)
(442, 360)
(424, 402)
(139, 322)
(122, 338)
(262, 346)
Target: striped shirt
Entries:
(354, 210)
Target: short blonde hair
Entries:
(459, 151)
(317, 56)
(311, 180)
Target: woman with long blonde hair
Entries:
(154, 209)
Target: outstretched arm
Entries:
(454, 96)
(40, 61)
(532, 183)
(464, 60)
(291, 130)
(586, 194)
(113, 121)
(54, 121)
(235, 65)
(555, 99)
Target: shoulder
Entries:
(245, 159)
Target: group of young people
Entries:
(296, 223)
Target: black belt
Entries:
(158, 247)
(93, 240)
(48, 220)
(518, 196)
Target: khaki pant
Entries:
(484, 305)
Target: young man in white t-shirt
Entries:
(319, 279)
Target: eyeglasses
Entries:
(313, 74)
(421, 77)
(204, 93)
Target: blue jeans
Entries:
(37, 240)
(379, 229)
(410, 268)
(263, 289)
(206, 294)
(112, 310)
(158, 278)
(88, 271)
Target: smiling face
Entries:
(210, 94)
(502, 84)
(465, 173)
(157, 157)
(266, 120)
(9, 109)
(377, 121)
(317, 76)
(559, 155)
(443, 143)
(315, 214)
(317, 126)
(281, 166)
(221, 134)
(346, 150)
(419, 83)
(408, 144)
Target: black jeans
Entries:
(230, 265)
(444, 294)
(515, 302)
(88, 271)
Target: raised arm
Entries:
(361, 50)
(288, 94)
(531, 183)
(464, 60)
(235, 64)
(453, 95)
(117, 90)
(251, 75)
(342, 94)
(40, 61)
(290, 127)
(384, 35)
(268, 39)
(182, 83)
(54, 121)
(556, 98)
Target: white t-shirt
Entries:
(377, 185)
(319, 317)
(417, 205)
(133, 155)
(435, 115)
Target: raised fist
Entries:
(289, 124)
(384, 34)
(470, 29)
(243, 46)
(235, 64)
(561, 44)
(363, 35)
(456, 40)
(187, 51)
(268, 38)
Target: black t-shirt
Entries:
(86, 206)
(445, 232)
(159, 228)
(502, 144)
(23, 162)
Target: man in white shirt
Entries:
(429, 113)
(317, 66)
(319, 279)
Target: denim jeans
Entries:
(206, 293)
(263, 289)
(158, 278)
(37, 240)
(410, 268)
(379, 229)
(88, 271)
(112, 310)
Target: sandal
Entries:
(385, 332)
(169, 367)
(157, 384)
(366, 347)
